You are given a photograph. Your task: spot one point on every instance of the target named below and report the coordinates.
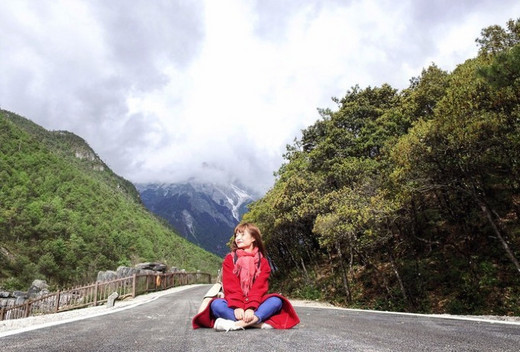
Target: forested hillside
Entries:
(408, 200)
(64, 215)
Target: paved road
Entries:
(164, 324)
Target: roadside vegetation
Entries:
(407, 200)
(64, 215)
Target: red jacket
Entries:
(285, 319)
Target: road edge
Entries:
(484, 319)
(8, 327)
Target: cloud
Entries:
(73, 64)
(168, 90)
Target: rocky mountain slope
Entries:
(203, 213)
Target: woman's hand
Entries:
(239, 314)
(249, 316)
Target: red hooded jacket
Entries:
(285, 319)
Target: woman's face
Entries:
(244, 240)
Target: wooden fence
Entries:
(98, 292)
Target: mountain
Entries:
(64, 215)
(204, 213)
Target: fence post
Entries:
(27, 308)
(134, 284)
(95, 293)
(2, 313)
(58, 301)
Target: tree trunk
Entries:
(497, 231)
(485, 209)
(304, 269)
(351, 263)
(330, 262)
(291, 257)
(346, 284)
(396, 272)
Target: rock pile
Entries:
(39, 288)
(142, 268)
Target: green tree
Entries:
(495, 39)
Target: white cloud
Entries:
(168, 90)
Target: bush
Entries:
(12, 284)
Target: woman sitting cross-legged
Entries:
(246, 303)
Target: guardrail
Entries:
(98, 292)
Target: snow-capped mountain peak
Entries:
(204, 213)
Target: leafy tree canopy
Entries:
(408, 199)
(64, 215)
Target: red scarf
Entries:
(246, 268)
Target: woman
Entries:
(246, 303)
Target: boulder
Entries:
(7, 302)
(38, 288)
(111, 299)
(106, 275)
(20, 300)
(17, 294)
(151, 266)
(124, 271)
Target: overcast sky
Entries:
(167, 90)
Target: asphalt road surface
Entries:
(164, 324)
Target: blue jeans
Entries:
(267, 309)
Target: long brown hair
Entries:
(253, 231)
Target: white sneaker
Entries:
(226, 325)
(266, 326)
